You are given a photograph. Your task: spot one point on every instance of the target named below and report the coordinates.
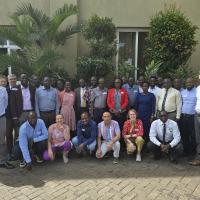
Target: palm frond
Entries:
(60, 15)
(11, 34)
(39, 17)
(62, 36)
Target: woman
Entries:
(117, 101)
(145, 107)
(67, 109)
(132, 133)
(58, 140)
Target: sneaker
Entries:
(138, 157)
(65, 159)
(22, 164)
(38, 160)
(116, 160)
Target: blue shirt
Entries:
(46, 100)
(86, 133)
(28, 134)
(3, 100)
(189, 101)
(132, 93)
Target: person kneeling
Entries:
(165, 138)
(86, 135)
(110, 132)
(32, 141)
(132, 133)
(58, 140)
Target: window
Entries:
(7, 47)
(130, 48)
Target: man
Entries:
(153, 88)
(132, 92)
(160, 82)
(196, 161)
(98, 101)
(3, 106)
(35, 81)
(110, 132)
(54, 82)
(141, 80)
(13, 112)
(93, 82)
(86, 135)
(178, 84)
(81, 99)
(28, 96)
(187, 128)
(165, 138)
(47, 102)
(169, 100)
(32, 141)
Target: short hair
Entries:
(2, 77)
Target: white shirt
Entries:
(26, 98)
(172, 132)
(3, 100)
(154, 90)
(197, 108)
(173, 101)
(83, 101)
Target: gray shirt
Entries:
(99, 97)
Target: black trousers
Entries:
(38, 149)
(174, 152)
(187, 130)
(120, 119)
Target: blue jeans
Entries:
(90, 147)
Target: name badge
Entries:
(122, 92)
(14, 89)
(104, 92)
(83, 129)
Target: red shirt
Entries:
(138, 129)
(111, 98)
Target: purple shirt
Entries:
(113, 130)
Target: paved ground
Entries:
(88, 178)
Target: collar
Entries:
(22, 87)
(45, 88)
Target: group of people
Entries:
(40, 119)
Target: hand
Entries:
(81, 146)
(50, 154)
(29, 166)
(134, 135)
(99, 153)
(109, 146)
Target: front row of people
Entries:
(36, 143)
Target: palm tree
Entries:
(38, 37)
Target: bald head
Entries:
(32, 118)
(106, 117)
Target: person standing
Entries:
(196, 161)
(61, 90)
(81, 103)
(117, 102)
(165, 138)
(47, 102)
(28, 96)
(13, 112)
(169, 100)
(187, 128)
(141, 80)
(67, 108)
(152, 86)
(98, 101)
(177, 83)
(145, 107)
(132, 92)
(3, 106)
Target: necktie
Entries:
(164, 132)
(164, 100)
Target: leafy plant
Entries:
(171, 39)
(126, 70)
(38, 37)
(100, 35)
(152, 69)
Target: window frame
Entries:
(132, 30)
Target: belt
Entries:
(3, 115)
(99, 108)
(27, 110)
(187, 115)
(168, 112)
(49, 111)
